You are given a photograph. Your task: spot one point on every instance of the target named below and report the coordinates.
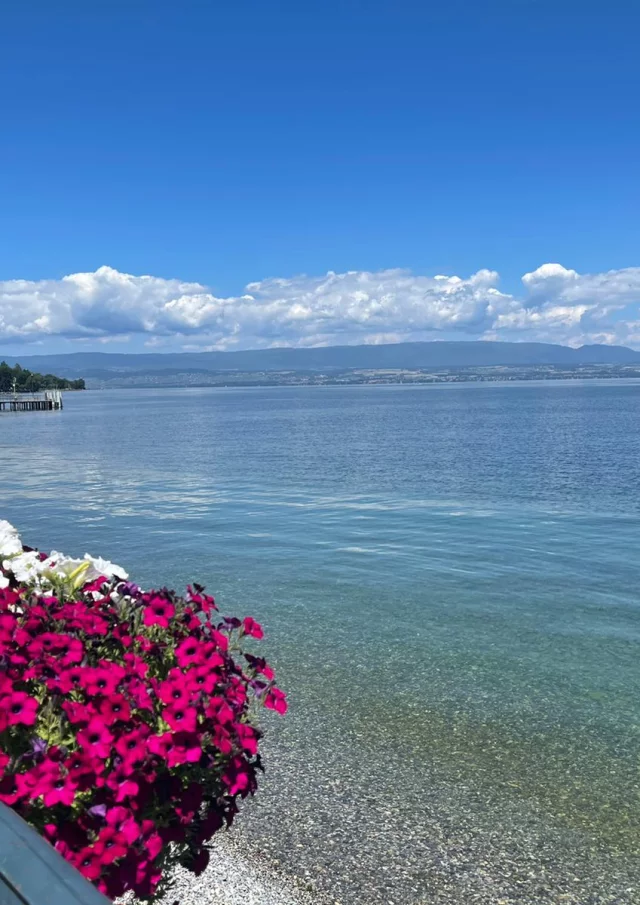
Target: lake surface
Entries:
(449, 578)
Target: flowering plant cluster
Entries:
(127, 728)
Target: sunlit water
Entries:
(448, 574)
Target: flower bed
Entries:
(127, 717)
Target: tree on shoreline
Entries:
(26, 381)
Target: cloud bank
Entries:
(555, 305)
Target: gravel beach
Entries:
(237, 877)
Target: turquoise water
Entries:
(449, 578)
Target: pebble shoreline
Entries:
(235, 877)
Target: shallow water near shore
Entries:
(449, 581)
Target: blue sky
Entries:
(227, 144)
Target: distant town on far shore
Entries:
(394, 363)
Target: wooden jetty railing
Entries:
(32, 872)
(48, 401)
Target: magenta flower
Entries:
(276, 700)
(247, 737)
(132, 746)
(180, 718)
(27, 784)
(238, 777)
(122, 820)
(189, 802)
(135, 665)
(203, 602)
(219, 711)
(175, 691)
(189, 653)
(252, 628)
(77, 713)
(221, 640)
(56, 788)
(221, 738)
(19, 709)
(159, 612)
(153, 845)
(114, 708)
(260, 665)
(71, 679)
(138, 694)
(8, 623)
(202, 678)
(123, 784)
(103, 680)
(111, 845)
(178, 748)
(89, 862)
(96, 738)
(72, 653)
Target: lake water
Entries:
(449, 578)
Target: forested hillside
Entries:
(25, 381)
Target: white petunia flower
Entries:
(106, 568)
(4, 582)
(26, 567)
(10, 543)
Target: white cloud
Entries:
(556, 305)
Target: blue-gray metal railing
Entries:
(32, 872)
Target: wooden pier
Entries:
(48, 401)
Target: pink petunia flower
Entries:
(135, 665)
(96, 737)
(111, 844)
(56, 788)
(114, 709)
(103, 679)
(73, 653)
(132, 746)
(83, 768)
(221, 640)
(189, 802)
(8, 623)
(71, 679)
(19, 709)
(202, 678)
(260, 665)
(221, 738)
(237, 777)
(178, 748)
(252, 628)
(89, 862)
(176, 690)
(158, 612)
(123, 784)
(247, 737)
(276, 700)
(139, 694)
(204, 602)
(180, 718)
(219, 711)
(123, 820)
(189, 653)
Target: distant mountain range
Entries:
(103, 367)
